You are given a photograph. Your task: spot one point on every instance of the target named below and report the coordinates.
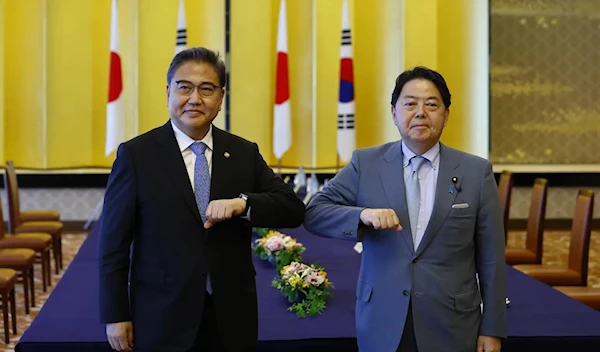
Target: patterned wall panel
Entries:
(560, 203)
(74, 204)
(79, 204)
(545, 81)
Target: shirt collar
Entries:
(184, 141)
(432, 155)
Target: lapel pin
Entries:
(451, 189)
(455, 181)
(227, 155)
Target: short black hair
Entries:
(198, 54)
(421, 72)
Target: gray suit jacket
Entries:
(439, 278)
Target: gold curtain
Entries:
(314, 29)
(54, 71)
(544, 78)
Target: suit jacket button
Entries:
(405, 292)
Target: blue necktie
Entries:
(201, 185)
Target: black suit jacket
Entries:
(149, 202)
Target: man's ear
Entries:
(394, 115)
(168, 94)
(447, 115)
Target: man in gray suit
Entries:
(429, 219)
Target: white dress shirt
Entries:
(189, 158)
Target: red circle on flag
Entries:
(282, 91)
(115, 85)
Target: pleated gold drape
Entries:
(54, 71)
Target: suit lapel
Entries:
(446, 191)
(170, 158)
(391, 172)
(221, 161)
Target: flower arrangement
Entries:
(279, 249)
(306, 286)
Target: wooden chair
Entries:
(505, 185)
(575, 274)
(21, 260)
(589, 296)
(532, 253)
(38, 242)
(28, 215)
(17, 225)
(7, 291)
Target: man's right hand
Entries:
(120, 336)
(380, 219)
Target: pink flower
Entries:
(274, 243)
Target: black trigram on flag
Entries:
(345, 121)
(346, 40)
(181, 42)
(182, 37)
(346, 138)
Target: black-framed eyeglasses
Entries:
(206, 89)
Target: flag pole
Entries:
(346, 137)
(115, 108)
(282, 120)
(181, 37)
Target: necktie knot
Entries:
(417, 162)
(198, 148)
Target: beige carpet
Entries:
(71, 244)
(556, 251)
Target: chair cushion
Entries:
(16, 257)
(552, 275)
(515, 256)
(589, 296)
(51, 227)
(35, 241)
(40, 215)
(7, 278)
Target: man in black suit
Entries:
(187, 195)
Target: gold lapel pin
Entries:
(227, 155)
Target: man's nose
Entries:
(420, 110)
(195, 97)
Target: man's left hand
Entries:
(488, 344)
(223, 209)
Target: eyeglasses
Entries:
(187, 88)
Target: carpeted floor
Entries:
(71, 244)
(556, 251)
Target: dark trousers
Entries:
(408, 342)
(208, 338)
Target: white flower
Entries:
(314, 279)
